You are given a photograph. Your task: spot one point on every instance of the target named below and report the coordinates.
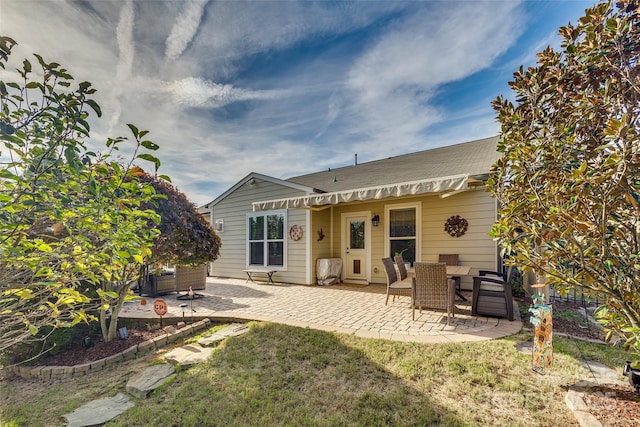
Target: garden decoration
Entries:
(542, 320)
(295, 232)
(160, 308)
(456, 226)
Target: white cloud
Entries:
(184, 28)
(393, 82)
(126, 49)
(350, 77)
(198, 92)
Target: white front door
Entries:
(356, 232)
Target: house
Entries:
(420, 205)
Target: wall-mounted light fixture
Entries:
(252, 181)
(375, 220)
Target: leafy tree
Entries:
(72, 225)
(569, 181)
(185, 238)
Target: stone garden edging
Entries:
(47, 373)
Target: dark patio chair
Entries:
(395, 287)
(492, 294)
(453, 259)
(402, 268)
(431, 288)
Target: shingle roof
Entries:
(473, 158)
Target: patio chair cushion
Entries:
(492, 296)
(490, 286)
(395, 287)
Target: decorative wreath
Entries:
(456, 226)
(295, 232)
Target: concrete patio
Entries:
(358, 310)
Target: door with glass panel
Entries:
(356, 244)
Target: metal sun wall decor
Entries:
(456, 226)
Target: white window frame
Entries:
(266, 241)
(387, 224)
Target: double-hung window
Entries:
(266, 239)
(403, 229)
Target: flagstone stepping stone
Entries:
(188, 355)
(602, 374)
(525, 347)
(232, 330)
(143, 383)
(98, 412)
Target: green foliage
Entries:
(568, 184)
(185, 238)
(71, 218)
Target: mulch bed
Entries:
(614, 405)
(77, 354)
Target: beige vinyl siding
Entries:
(377, 236)
(475, 247)
(233, 210)
(320, 248)
(296, 250)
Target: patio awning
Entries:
(412, 188)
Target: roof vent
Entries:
(334, 179)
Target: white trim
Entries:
(368, 242)
(308, 261)
(248, 215)
(419, 237)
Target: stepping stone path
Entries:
(99, 411)
(196, 353)
(140, 385)
(143, 383)
(228, 331)
(598, 374)
(188, 355)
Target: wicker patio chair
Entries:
(402, 268)
(395, 287)
(453, 259)
(492, 294)
(431, 288)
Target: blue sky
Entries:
(285, 88)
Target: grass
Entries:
(287, 376)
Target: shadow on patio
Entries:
(358, 310)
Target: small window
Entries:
(266, 239)
(403, 233)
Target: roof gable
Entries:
(254, 175)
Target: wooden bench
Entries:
(251, 271)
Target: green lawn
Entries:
(287, 376)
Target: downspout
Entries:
(310, 267)
(331, 234)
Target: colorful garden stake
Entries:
(542, 320)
